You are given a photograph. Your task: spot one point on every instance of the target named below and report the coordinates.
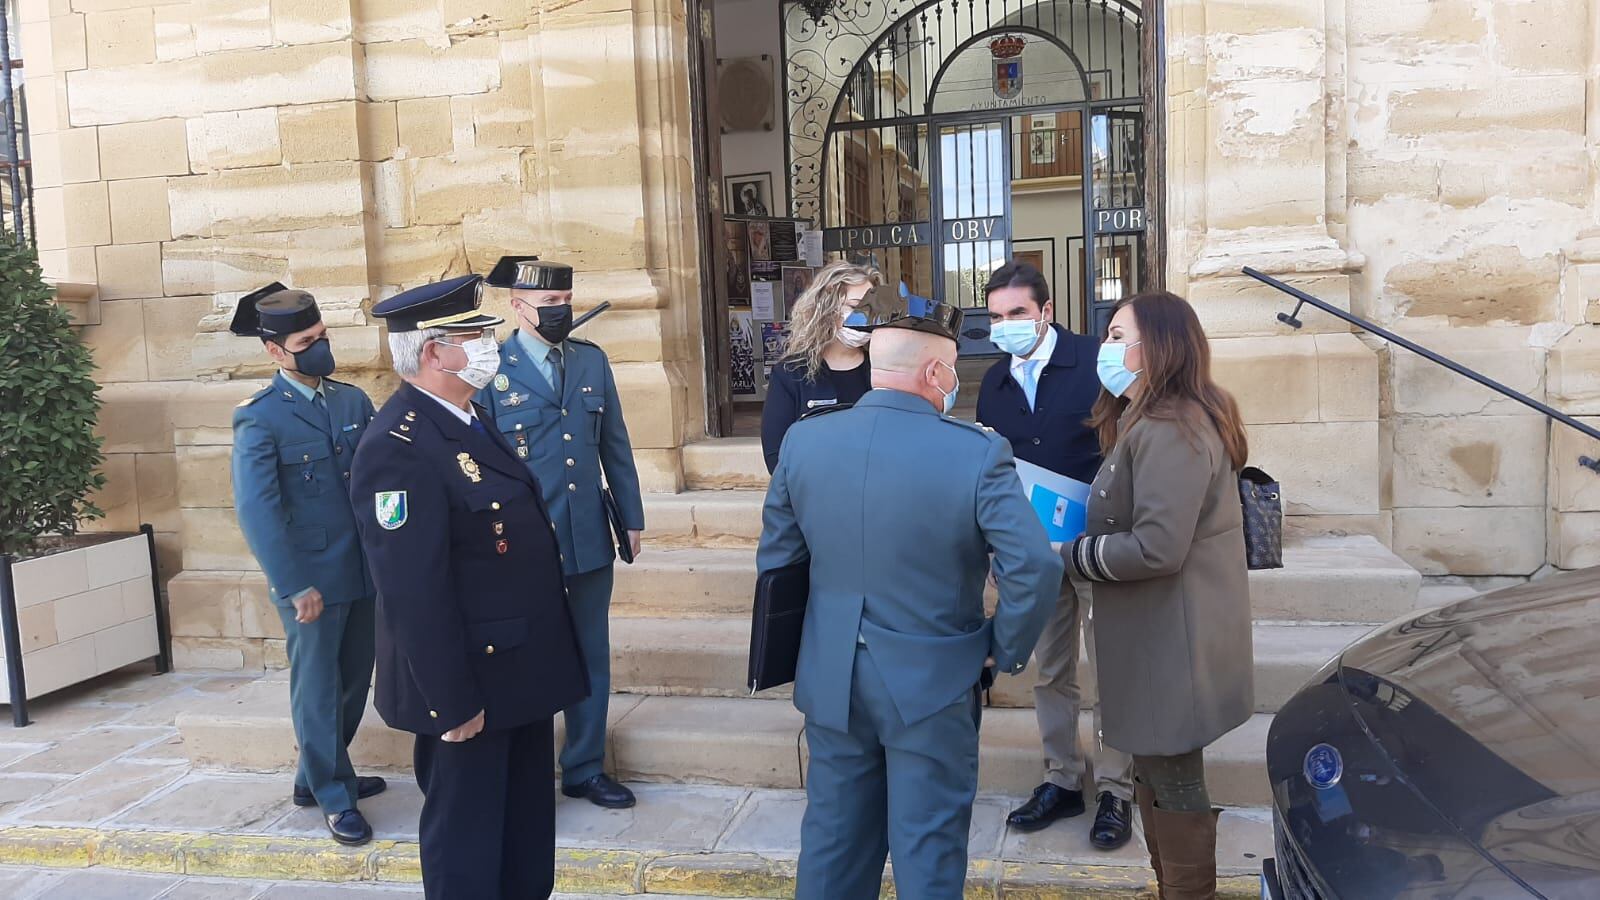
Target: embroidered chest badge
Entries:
(391, 509)
(501, 382)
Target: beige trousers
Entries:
(1058, 697)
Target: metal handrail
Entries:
(1302, 298)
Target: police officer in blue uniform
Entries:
(476, 648)
(898, 508)
(1039, 397)
(293, 444)
(555, 402)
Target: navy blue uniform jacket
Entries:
(1054, 434)
(472, 610)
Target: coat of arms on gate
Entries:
(1007, 53)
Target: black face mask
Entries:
(315, 360)
(555, 322)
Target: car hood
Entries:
(1490, 710)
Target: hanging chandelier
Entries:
(816, 9)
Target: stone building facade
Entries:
(1432, 165)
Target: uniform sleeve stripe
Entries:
(1089, 560)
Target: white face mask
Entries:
(955, 390)
(483, 360)
(852, 338)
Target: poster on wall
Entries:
(785, 242)
(760, 240)
(765, 271)
(774, 344)
(795, 281)
(738, 274)
(763, 297)
(744, 340)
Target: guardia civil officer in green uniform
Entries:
(293, 444)
(899, 508)
(555, 401)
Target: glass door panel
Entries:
(975, 198)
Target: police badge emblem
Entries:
(469, 467)
(390, 507)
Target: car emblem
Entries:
(1324, 766)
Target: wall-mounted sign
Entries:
(1129, 220)
(860, 237)
(916, 234)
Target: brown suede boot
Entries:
(1188, 853)
(1146, 799)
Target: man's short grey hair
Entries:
(406, 349)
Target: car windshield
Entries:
(1518, 671)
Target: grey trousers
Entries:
(1058, 696)
(888, 788)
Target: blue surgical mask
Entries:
(1017, 337)
(1109, 366)
(950, 398)
(315, 360)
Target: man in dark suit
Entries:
(1039, 397)
(476, 648)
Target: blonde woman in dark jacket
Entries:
(1165, 543)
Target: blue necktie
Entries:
(1030, 380)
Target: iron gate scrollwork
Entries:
(876, 106)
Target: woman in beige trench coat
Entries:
(1165, 544)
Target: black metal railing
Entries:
(1292, 319)
(16, 168)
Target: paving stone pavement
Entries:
(22, 883)
(105, 756)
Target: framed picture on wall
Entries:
(738, 274)
(748, 195)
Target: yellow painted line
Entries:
(578, 871)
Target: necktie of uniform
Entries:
(322, 407)
(558, 369)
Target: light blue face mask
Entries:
(950, 398)
(1109, 366)
(1016, 336)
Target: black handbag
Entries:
(1262, 500)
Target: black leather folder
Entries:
(614, 516)
(780, 612)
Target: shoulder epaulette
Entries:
(587, 343)
(253, 397)
(823, 410)
(970, 426)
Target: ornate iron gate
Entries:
(911, 121)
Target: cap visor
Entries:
(476, 323)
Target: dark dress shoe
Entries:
(1113, 822)
(366, 786)
(601, 791)
(350, 828)
(1050, 802)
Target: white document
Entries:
(811, 247)
(761, 300)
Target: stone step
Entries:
(725, 463)
(694, 740)
(708, 658)
(1325, 579)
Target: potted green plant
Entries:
(71, 606)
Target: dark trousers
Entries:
(488, 824)
(330, 670)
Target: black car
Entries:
(1452, 754)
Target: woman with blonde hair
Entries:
(825, 363)
(1165, 544)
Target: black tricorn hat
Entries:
(274, 311)
(504, 273)
(527, 273)
(883, 308)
